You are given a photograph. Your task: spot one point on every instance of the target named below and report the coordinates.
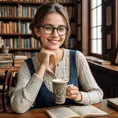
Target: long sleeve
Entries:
(26, 90)
(92, 92)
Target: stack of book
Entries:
(18, 60)
(6, 60)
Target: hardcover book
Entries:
(75, 111)
(103, 62)
(113, 102)
(98, 60)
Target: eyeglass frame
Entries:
(53, 28)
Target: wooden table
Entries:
(40, 113)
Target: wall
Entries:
(85, 27)
(116, 23)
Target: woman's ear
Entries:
(37, 32)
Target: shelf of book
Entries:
(25, 49)
(15, 21)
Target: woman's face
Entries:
(50, 37)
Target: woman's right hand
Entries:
(46, 59)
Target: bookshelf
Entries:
(15, 20)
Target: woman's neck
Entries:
(58, 58)
(59, 55)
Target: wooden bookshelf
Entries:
(13, 21)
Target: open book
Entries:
(75, 112)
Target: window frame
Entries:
(89, 31)
(106, 30)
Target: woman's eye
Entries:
(48, 28)
(61, 29)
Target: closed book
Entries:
(75, 112)
(18, 61)
(5, 57)
(20, 57)
(103, 62)
(5, 54)
(98, 60)
(6, 61)
(17, 65)
(5, 65)
(113, 102)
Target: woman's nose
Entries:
(55, 32)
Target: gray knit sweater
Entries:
(26, 90)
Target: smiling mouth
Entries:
(53, 41)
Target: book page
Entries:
(88, 111)
(61, 112)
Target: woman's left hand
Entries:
(72, 92)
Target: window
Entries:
(96, 27)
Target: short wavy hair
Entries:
(43, 11)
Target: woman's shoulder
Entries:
(28, 61)
(79, 55)
(33, 58)
(77, 51)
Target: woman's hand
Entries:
(46, 59)
(72, 92)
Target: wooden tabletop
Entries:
(109, 67)
(40, 113)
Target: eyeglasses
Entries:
(49, 29)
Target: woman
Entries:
(34, 86)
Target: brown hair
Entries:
(44, 10)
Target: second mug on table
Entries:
(59, 90)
